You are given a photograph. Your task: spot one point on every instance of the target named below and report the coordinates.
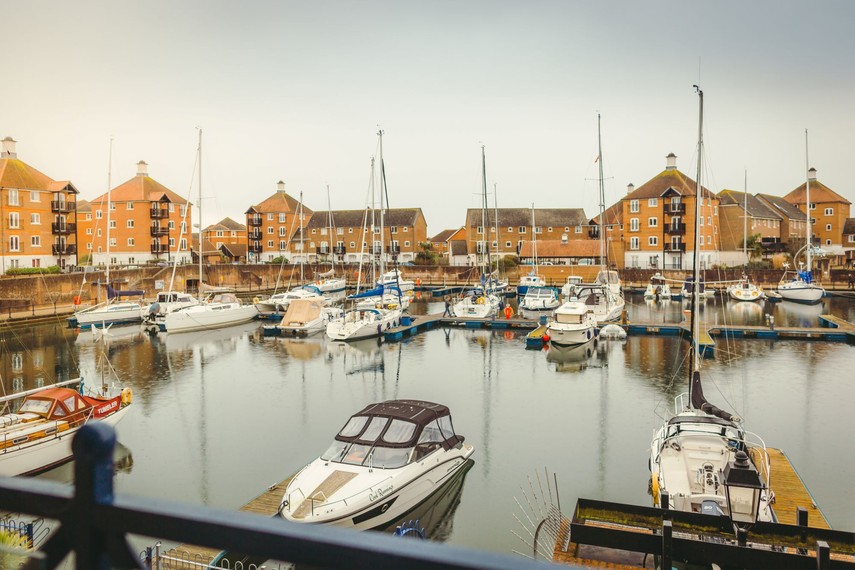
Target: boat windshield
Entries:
(354, 426)
(568, 318)
(35, 406)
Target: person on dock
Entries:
(447, 312)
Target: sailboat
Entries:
(802, 288)
(222, 310)
(382, 308)
(532, 279)
(693, 450)
(327, 283)
(114, 310)
(480, 302)
(744, 289)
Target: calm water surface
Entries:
(221, 415)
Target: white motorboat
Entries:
(38, 436)
(168, 301)
(307, 316)
(602, 303)
(568, 290)
(658, 288)
(688, 286)
(476, 304)
(745, 290)
(278, 302)
(393, 278)
(540, 299)
(357, 324)
(112, 312)
(386, 460)
(695, 449)
(571, 324)
(529, 280)
(222, 310)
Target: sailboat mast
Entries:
(695, 324)
(330, 222)
(808, 240)
(199, 151)
(603, 253)
(382, 191)
(373, 240)
(745, 219)
(302, 237)
(485, 248)
(109, 206)
(534, 238)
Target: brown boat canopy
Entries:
(400, 423)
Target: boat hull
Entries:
(565, 336)
(190, 320)
(345, 330)
(807, 294)
(107, 316)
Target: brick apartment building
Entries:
(828, 212)
(272, 223)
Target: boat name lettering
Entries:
(378, 493)
(108, 407)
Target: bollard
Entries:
(666, 544)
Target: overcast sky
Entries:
(296, 91)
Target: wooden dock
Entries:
(266, 504)
(411, 325)
(791, 492)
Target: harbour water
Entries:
(220, 415)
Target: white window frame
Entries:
(633, 225)
(633, 206)
(281, 217)
(653, 222)
(829, 211)
(14, 220)
(653, 240)
(129, 205)
(131, 242)
(36, 241)
(633, 243)
(35, 219)
(130, 223)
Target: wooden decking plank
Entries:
(791, 492)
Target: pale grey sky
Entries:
(295, 91)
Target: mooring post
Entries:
(823, 555)
(93, 485)
(666, 544)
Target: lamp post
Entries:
(742, 486)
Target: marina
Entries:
(184, 386)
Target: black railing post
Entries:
(823, 555)
(93, 485)
(666, 544)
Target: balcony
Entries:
(159, 231)
(376, 250)
(254, 222)
(675, 248)
(255, 248)
(339, 250)
(160, 213)
(62, 206)
(394, 249)
(63, 228)
(64, 249)
(159, 248)
(675, 209)
(255, 234)
(675, 229)
(594, 233)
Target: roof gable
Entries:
(755, 207)
(819, 193)
(668, 182)
(511, 217)
(15, 173)
(279, 202)
(140, 189)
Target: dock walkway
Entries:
(266, 504)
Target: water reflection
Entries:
(571, 358)
(123, 463)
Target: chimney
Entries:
(564, 239)
(142, 168)
(630, 188)
(671, 161)
(811, 173)
(280, 186)
(9, 148)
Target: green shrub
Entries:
(53, 269)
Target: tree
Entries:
(427, 256)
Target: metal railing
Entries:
(94, 523)
(67, 249)
(254, 222)
(159, 213)
(62, 206)
(675, 229)
(63, 228)
(675, 208)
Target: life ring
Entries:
(508, 312)
(256, 300)
(127, 396)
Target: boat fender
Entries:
(127, 396)
(545, 338)
(379, 329)
(256, 300)
(588, 334)
(654, 488)
(77, 299)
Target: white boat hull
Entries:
(743, 293)
(372, 325)
(564, 336)
(110, 314)
(801, 292)
(202, 318)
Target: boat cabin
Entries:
(393, 434)
(55, 404)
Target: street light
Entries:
(742, 487)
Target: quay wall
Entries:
(40, 290)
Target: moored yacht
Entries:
(387, 459)
(476, 304)
(658, 288)
(571, 324)
(222, 310)
(356, 324)
(307, 316)
(539, 299)
(394, 278)
(744, 290)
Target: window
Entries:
(653, 240)
(350, 230)
(480, 230)
(828, 242)
(633, 206)
(652, 202)
(829, 211)
(112, 206)
(813, 220)
(715, 210)
(709, 240)
(281, 231)
(113, 224)
(88, 215)
(98, 214)
(281, 217)
(112, 242)
(701, 220)
(828, 227)
(709, 220)
(394, 229)
(130, 223)
(281, 244)
(510, 230)
(183, 227)
(89, 246)
(538, 230)
(36, 241)
(852, 238)
(407, 244)
(323, 231)
(129, 206)
(633, 224)
(352, 244)
(652, 222)
(270, 230)
(35, 219)
(182, 210)
(508, 244)
(89, 231)
(270, 218)
(14, 199)
(549, 229)
(219, 233)
(99, 232)
(131, 242)
(183, 244)
(171, 225)
(522, 229)
(14, 220)
(813, 206)
(633, 243)
(270, 244)
(171, 243)
(34, 196)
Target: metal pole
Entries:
(667, 530)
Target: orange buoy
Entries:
(545, 338)
(77, 299)
(508, 312)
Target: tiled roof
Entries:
(226, 224)
(458, 247)
(355, 218)
(279, 202)
(443, 236)
(83, 206)
(614, 215)
(849, 226)
(668, 178)
(557, 248)
(756, 208)
(782, 207)
(511, 217)
(140, 189)
(819, 193)
(15, 173)
(234, 250)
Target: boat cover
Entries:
(699, 402)
(302, 311)
(112, 293)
